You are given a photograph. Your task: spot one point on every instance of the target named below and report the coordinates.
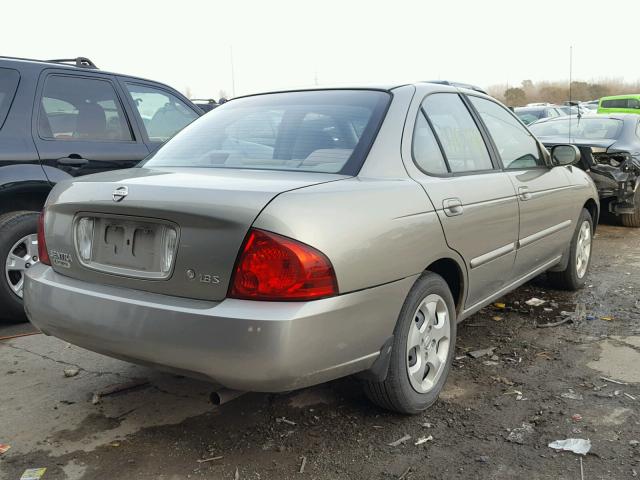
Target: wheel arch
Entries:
(28, 196)
(592, 207)
(452, 273)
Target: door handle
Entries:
(523, 193)
(73, 160)
(452, 207)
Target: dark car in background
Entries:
(205, 104)
(61, 119)
(610, 153)
(533, 113)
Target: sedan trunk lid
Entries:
(134, 212)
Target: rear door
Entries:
(474, 200)
(160, 112)
(545, 199)
(81, 125)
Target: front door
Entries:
(545, 199)
(474, 200)
(81, 125)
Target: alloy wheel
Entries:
(428, 343)
(22, 256)
(583, 249)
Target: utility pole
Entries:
(233, 74)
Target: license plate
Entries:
(130, 246)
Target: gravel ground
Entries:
(494, 420)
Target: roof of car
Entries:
(386, 87)
(63, 64)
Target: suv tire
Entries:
(428, 320)
(14, 226)
(574, 276)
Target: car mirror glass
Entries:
(565, 154)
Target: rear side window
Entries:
(426, 151)
(327, 131)
(8, 85)
(81, 109)
(621, 103)
(163, 114)
(458, 133)
(516, 146)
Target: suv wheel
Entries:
(574, 276)
(18, 252)
(423, 348)
(632, 219)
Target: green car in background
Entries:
(620, 104)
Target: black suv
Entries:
(60, 119)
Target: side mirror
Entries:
(565, 155)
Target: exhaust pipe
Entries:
(225, 395)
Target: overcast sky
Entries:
(280, 44)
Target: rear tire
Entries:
(417, 374)
(14, 227)
(632, 219)
(574, 276)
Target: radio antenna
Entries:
(570, 82)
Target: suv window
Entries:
(458, 133)
(621, 103)
(87, 109)
(517, 148)
(426, 151)
(163, 114)
(8, 85)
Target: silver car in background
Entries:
(291, 238)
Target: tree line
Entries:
(558, 92)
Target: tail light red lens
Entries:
(43, 253)
(276, 268)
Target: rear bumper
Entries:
(240, 344)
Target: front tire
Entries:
(18, 252)
(574, 276)
(632, 219)
(423, 349)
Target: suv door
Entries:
(545, 199)
(474, 200)
(160, 113)
(81, 125)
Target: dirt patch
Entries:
(618, 361)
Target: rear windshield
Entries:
(585, 128)
(8, 84)
(327, 131)
(621, 103)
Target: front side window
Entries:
(76, 108)
(458, 133)
(163, 114)
(319, 131)
(516, 146)
(8, 85)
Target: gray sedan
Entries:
(291, 238)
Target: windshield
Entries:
(529, 115)
(585, 128)
(325, 131)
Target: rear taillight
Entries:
(277, 268)
(43, 254)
